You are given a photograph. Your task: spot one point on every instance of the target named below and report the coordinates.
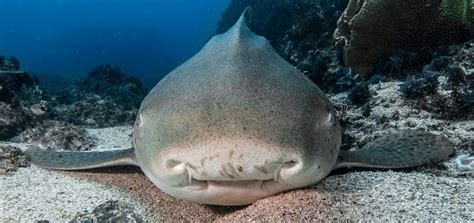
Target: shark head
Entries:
(235, 123)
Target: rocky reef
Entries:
(444, 86)
(106, 97)
(55, 118)
(56, 135)
(20, 102)
(418, 77)
(9, 63)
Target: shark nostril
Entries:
(170, 164)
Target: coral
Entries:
(445, 85)
(110, 211)
(369, 29)
(56, 135)
(422, 86)
(11, 158)
(397, 62)
(359, 94)
(458, 10)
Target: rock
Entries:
(12, 120)
(95, 111)
(16, 96)
(11, 83)
(465, 163)
(110, 211)
(56, 135)
(109, 81)
(9, 63)
(106, 97)
(445, 87)
(11, 158)
(39, 109)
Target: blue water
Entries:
(146, 38)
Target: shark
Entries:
(237, 123)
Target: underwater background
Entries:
(68, 38)
(73, 74)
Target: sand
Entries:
(437, 193)
(36, 194)
(359, 195)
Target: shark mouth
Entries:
(222, 192)
(199, 185)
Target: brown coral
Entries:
(368, 29)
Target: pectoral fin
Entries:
(398, 150)
(80, 160)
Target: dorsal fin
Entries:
(246, 17)
(240, 28)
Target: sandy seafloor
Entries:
(437, 192)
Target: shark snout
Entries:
(228, 170)
(228, 175)
(233, 165)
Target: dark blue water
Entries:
(146, 38)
